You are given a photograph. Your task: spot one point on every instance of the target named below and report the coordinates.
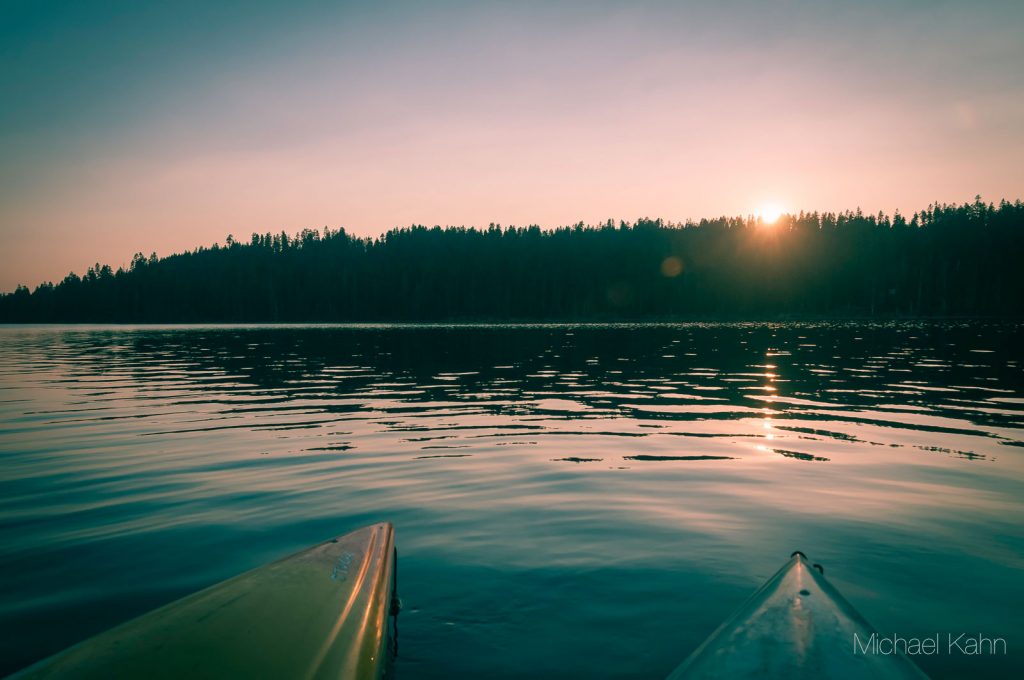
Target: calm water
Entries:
(569, 500)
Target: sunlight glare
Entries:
(769, 213)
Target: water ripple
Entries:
(647, 465)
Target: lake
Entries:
(569, 500)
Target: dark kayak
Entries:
(796, 626)
(321, 613)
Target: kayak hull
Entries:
(321, 613)
(796, 626)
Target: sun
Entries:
(770, 212)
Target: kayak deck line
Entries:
(331, 638)
(797, 625)
(320, 613)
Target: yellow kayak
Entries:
(321, 613)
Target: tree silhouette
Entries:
(945, 260)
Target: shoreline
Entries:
(527, 323)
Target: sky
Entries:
(160, 126)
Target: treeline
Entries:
(945, 260)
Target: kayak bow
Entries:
(796, 626)
(321, 613)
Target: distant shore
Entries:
(944, 262)
(723, 319)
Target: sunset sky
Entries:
(161, 126)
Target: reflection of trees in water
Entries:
(600, 368)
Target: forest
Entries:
(945, 260)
